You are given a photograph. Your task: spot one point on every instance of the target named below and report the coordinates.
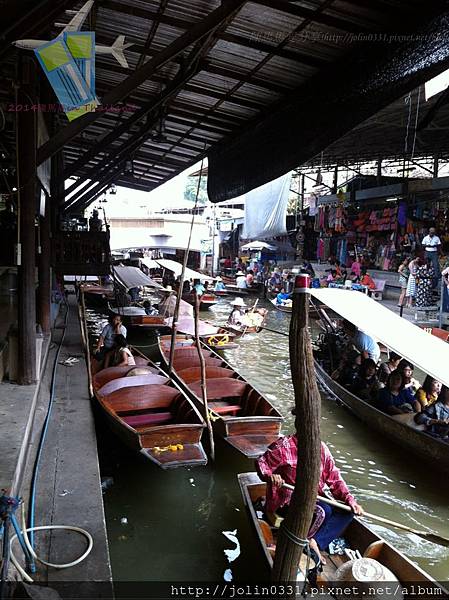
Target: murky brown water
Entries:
(181, 524)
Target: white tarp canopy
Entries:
(131, 277)
(426, 351)
(258, 246)
(266, 209)
(149, 263)
(167, 308)
(187, 325)
(176, 268)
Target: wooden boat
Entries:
(424, 351)
(151, 414)
(257, 289)
(281, 307)
(357, 536)
(401, 429)
(136, 317)
(206, 301)
(239, 330)
(240, 414)
(98, 295)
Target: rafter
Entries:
(121, 91)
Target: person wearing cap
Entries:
(238, 312)
(240, 280)
(219, 285)
(278, 466)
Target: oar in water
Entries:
(430, 536)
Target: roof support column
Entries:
(26, 150)
(43, 294)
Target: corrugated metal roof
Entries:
(252, 61)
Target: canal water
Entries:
(191, 524)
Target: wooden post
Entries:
(26, 159)
(203, 375)
(307, 423)
(43, 298)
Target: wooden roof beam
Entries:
(198, 31)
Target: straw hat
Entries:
(238, 302)
(218, 279)
(364, 570)
(240, 273)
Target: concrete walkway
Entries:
(68, 484)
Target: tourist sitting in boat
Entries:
(349, 370)
(249, 278)
(428, 393)
(237, 313)
(366, 385)
(406, 368)
(364, 343)
(275, 281)
(283, 299)
(219, 285)
(394, 398)
(150, 310)
(278, 466)
(198, 287)
(367, 280)
(240, 280)
(436, 416)
(386, 368)
(106, 341)
(123, 355)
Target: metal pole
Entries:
(44, 272)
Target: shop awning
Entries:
(131, 277)
(420, 348)
(176, 268)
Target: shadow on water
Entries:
(191, 524)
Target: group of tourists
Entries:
(390, 386)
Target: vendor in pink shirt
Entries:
(278, 465)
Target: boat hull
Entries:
(357, 535)
(248, 434)
(280, 307)
(168, 445)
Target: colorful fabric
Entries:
(281, 458)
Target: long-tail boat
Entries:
(151, 414)
(357, 536)
(282, 307)
(425, 351)
(240, 414)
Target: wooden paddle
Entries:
(427, 535)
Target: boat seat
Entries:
(133, 381)
(182, 363)
(224, 408)
(148, 419)
(106, 375)
(220, 388)
(408, 419)
(141, 397)
(193, 374)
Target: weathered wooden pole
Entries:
(26, 160)
(43, 295)
(293, 532)
(203, 375)
(181, 279)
